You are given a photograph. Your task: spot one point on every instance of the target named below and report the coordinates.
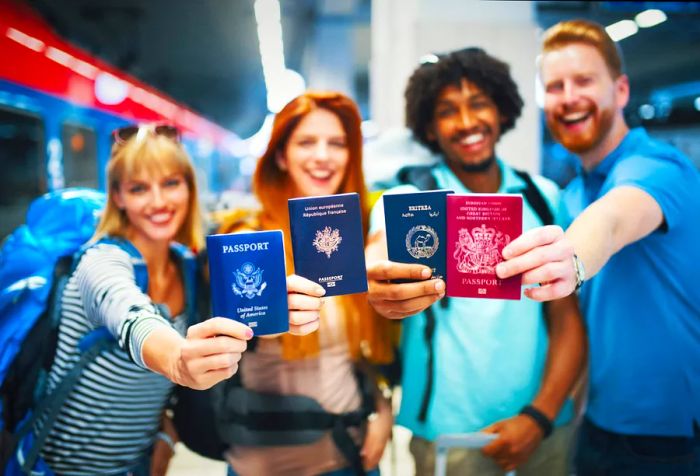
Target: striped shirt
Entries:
(109, 420)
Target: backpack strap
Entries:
(90, 346)
(420, 176)
(535, 198)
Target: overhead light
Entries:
(429, 58)
(696, 103)
(622, 29)
(649, 18)
(282, 84)
(647, 111)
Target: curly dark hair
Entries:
(473, 64)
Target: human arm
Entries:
(379, 430)
(520, 435)
(544, 255)
(163, 446)
(398, 300)
(111, 298)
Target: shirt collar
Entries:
(510, 182)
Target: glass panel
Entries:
(79, 156)
(22, 161)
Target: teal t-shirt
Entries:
(489, 354)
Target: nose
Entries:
(157, 196)
(467, 117)
(321, 152)
(570, 92)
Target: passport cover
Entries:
(327, 242)
(416, 228)
(479, 226)
(248, 279)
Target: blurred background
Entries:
(73, 70)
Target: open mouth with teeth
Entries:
(161, 218)
(574, 118)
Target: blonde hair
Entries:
(147, 154)
(590, 33)
(368, 334)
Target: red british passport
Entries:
(479, 226)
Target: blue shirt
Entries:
(489, 353)
(643, 308)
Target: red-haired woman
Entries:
(315, 149)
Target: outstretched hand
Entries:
(399, 300)
(304, 301)
(210, 352)
(544, 256)
(518, 438)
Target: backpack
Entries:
(421, 176)
(210, 421)
(37, 260)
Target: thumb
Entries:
(494, 428)
(220, 326)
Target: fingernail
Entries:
(506, 253)
(249, 333)
(500, 269)
(320, 290)
(426, 273)
(440, 285)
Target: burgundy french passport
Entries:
(479, 226)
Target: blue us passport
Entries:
(248, 279)
(327, 242)
(416, 228)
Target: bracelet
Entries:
(540, 418)
(163, 436)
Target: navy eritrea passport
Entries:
(416, 227)
(327, 242)
(248, 279)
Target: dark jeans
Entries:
(604, 453)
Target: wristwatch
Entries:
(580, 272)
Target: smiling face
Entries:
(155, 204)
(583, 103)
(466, 126)
(316, 155)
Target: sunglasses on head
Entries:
(125, 133)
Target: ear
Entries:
(281, 161)
(622, 91)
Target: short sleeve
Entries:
(668, 181)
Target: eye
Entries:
(306, 142)
(172, 182)
(137, 188)
(584, 80)
(554, 87)
(481, 103)
(445, 111)
(337, 143)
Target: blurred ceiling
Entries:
(202, 53)
(205, 53)
(663, 61)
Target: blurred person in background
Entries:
(633, 214)
(499, 366)
(315, 149)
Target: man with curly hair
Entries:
(499, 366)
